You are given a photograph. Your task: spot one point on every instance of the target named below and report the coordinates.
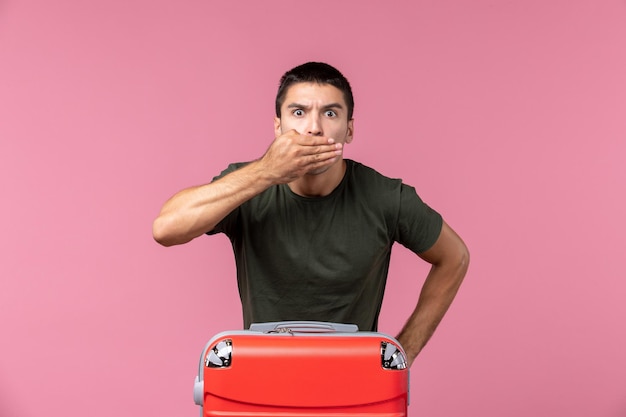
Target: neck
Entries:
(319, 185)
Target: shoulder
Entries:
(374, 191)
(361, 173)
(234, 166)
(374, 188)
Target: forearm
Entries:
(437, 294)
(196, 210)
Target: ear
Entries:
(350, 134)
(277, 128)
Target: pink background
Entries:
(507, 116)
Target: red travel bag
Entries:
(302, 369)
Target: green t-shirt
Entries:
(327, 258)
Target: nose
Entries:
(314, 127)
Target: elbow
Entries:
(168, 231)
(162, 232)
(464, 258)
(457, 261)
(462, 261)
(174, 229)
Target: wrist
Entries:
(259, 175)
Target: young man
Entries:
(312, 232)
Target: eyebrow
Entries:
(326, 107)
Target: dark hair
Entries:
(315, 72)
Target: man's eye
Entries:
(330, 113)
(298, 112)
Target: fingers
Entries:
(292, 155)
(321, 153)
(315, 145)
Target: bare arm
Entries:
(196, 210)
(449, 258)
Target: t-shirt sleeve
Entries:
(418, 226)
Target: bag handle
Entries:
(303, 327)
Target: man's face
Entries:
(315, 109)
